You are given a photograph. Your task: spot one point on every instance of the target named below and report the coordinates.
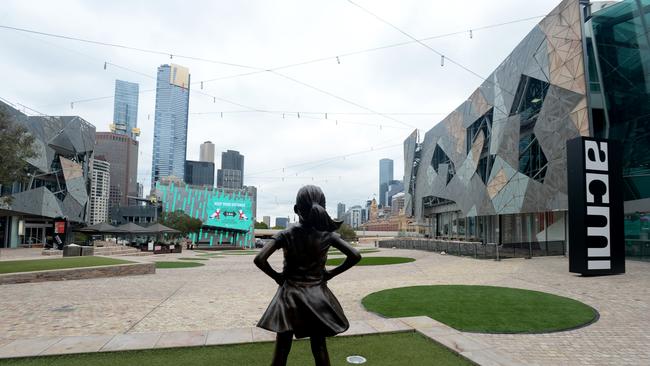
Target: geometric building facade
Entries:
(58, 182)
(495, 168)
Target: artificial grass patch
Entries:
(380, 350)
(240, 252)
(372, 261)
(57, 263)
(229, 252)
(483, 308)
(194, 259)
(335, 251)
(178, 264)
(210, 255)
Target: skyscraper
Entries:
(385, 176)
(125, 108)
(99, 191)
(232, 159)
(355, 215)
(367, 210)
(231, 174)
(170, 125)
(340, 210)
(121, 151)
(199, 173)
(394, 187)
(207, 152)
(282, 222)
(267, 220)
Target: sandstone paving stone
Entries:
(489, 358)
(182, 339)
(132, 341)
(359, 327)
(460, 343)
(389, 325)
(230, 336)
(434, 332)
(262, 335)
(78, 344)
(27, 347)
(421, 322)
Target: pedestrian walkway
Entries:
(229, 292)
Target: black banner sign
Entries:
(595, 188)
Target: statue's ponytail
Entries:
(310, 206)
(321, 220)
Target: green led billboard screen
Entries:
(229, 212)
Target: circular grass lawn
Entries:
(210, 255)
(372, 261)
(240, 252)
(178, 264)
(483, 309)
(334, 251)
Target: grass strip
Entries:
(178, 264)
(380, 350)
(57, 263)
(372, 261)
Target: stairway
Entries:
(112, 249)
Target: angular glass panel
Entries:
(439, 157)
(527, 104)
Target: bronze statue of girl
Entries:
(303, 305)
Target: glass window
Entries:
(482, 124)
(439, 158)
(527, 104)
(622, 41)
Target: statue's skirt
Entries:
(306, 309)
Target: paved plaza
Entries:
(230, 292)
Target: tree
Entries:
(16, 146)
(276, 227)
(261, 225)
(346, 232)
(180, 221)
(194, 225)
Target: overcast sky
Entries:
(47, 74)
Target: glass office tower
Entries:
(385, 176)
(170, 125)
(125, 108)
